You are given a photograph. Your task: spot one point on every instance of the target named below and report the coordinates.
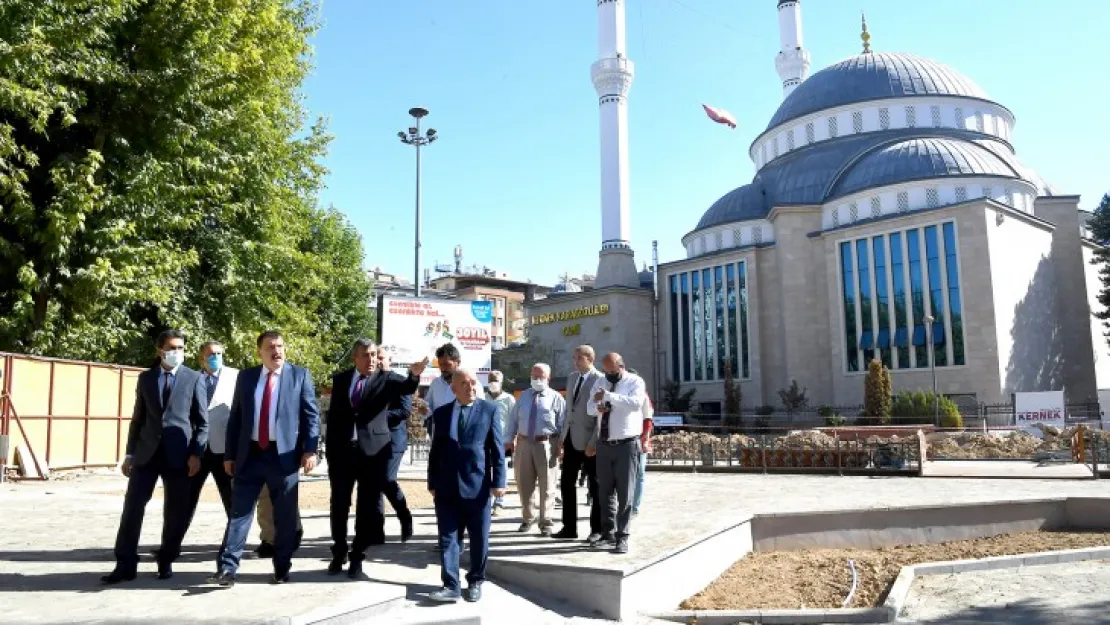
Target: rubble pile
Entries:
(1012, 445)
(687, 445)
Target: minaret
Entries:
(612, 78)
(792, 61)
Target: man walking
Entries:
(618, 401)
(167, 436)
(400, 409)
(578, 433)
(219, 385)
(532, 432)
(465, 465)
(272, 432)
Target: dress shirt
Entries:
(258, 390)
(162, 373)
(550, 412)
(440, 394)
(505, 402)
(626, 419)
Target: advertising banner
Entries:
(413, 328)
(1044, 407)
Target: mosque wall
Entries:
(1100, 346)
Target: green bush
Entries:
(834, 421)
(913, 407)
(877, 389)
(765, 411)
(825, 411)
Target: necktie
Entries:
(264, 412)
(166, 389)
(532, 415)
(605, 417)
(577, 387)
(211, 387)
(463, 411)
(356, 397)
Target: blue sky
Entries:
(514, 178)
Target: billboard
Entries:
(414, 327)
(1043, 407)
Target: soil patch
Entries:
(820, 578)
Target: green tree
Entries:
(1099, 225)
(793, 398)
(156, 170)
(877, 389)
(675, 399)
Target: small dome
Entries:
(566, 287)
(919, 159)
(874, 76)
(740, 204)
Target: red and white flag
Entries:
(720, 116)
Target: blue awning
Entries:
(883, 340)
(902, 337)
(867, 340)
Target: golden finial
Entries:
(864, 35)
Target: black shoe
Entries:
(336, 565)
(473, 593)
(622, 546)
(297, 540)
(280, 577)
(565, 534)
(223, 578)
(165, 571)
(406, 530)
(355, 570)
(265, 550)
(155, 553)
(117, 576)
(444, 595)
(598, 540)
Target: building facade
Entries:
(508, 297)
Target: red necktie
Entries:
(264, 413)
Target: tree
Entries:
(1099, 224)
(156, 171)
(877, 389)
(793, 399)
(733, 395)
(675, 399)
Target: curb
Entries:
(896, 597)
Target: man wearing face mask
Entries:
(166, 439)
(219, 385)
(623, 431)
(506, 403)
(532, 432)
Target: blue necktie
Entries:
(463, 410)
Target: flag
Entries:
(720, 116)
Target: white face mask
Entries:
(495, 387)
(173, 358)
(539, 385)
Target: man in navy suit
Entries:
(465, 465)
(272, 432)
(167, 436)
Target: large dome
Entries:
(874, 76)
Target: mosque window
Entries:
(1006, 197)
(961, 194)
(720, 320)
(853, 212)
(717, 239)
(917, 297)
(809, 133)
(960, 118)
(903, 202)
(763, 150)
(884, 118)
(911, 117)
(737, 237)
(848, 289)
(696, 316)
(776, 147)
(988, 193)
(757, 235)
(882, 301)
(863, 273)
(836, 217)
(742, 304)
(709, 322)
(857, 121)
(901, 340)
(955, 310)
(876, 208)
(979, 121)
(676, 371)
(936, 295)
(935, 111)
(832, 127)
(790, 139)
(684, 306)
(932, 197)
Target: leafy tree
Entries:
(1099, 225)
(733, 396)
(156, 171)
(793, 399)
(877, 389)
(675, 399)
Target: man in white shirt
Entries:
(618, 401)
(506, 402)
(448, 360)
(532, 431)
(219, 383)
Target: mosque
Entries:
(889, 218)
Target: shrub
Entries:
(765, 411)
(877, 389)
(793, 398)
(919, 407)
(825, 411)
(835, 421)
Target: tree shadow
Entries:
(1037, 356)
(1026, 612)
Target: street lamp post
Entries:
(414, 138)
(932, 365)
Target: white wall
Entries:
(1102, 349)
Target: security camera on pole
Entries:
(414, 138)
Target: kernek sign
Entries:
(414, 328)
(1044, 407)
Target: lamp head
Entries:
(401, 135)
(431, 132)
(418, 112)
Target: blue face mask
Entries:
(215, 362)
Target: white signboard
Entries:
(1033, 408)
(413, 329)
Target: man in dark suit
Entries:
(359, 447)
(398, 418)
(168, 434)
(272, 432)
(465, 465)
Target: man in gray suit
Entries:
(167, 436)
(579, 433)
